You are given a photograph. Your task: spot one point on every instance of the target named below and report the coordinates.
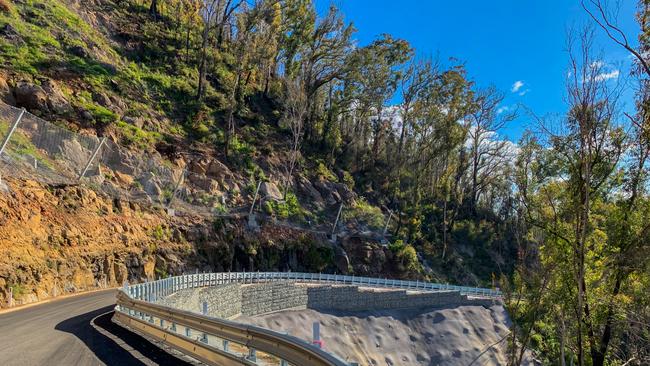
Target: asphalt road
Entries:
(74, 331)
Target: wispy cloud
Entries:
(505, 108)
(607, 75)
(597, 64)
(523, 92)
(517, 85)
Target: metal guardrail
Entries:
(222, 342)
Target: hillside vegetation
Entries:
(277, 94)
(268, 90)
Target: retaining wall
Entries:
(352, 298)
(224, 301)
(269, 297)
(231, 300)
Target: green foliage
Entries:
(348, 180)
(18, 290)
(160, 233)
(366, 213)
(318, 258)
(289, 208)
(396, 246)
(406, 256)
(323, 172)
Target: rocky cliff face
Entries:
(68, 239)
(65, 239)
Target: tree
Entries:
(375, 72)
(294, 115)
(153, 9)
(216, 14)
(488, 156)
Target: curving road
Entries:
(74, 331)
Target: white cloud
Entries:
(607, 75)
(516, 86)
(523, 92)
(597, 64)
(500, 110)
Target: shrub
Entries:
(323, 171)
(366, 213)
(319, 258)
(348, 180)
(290, 207)
(409, 258)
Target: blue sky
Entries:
(501, 42)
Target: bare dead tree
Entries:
(597, 10)
(294, 118)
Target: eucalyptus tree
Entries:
(376, 73)
(488, 156)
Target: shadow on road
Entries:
(106, 349)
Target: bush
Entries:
(319, 258)
(348, 180)
(323, 171)
(289, 208)
(409, 258)
(366, 213)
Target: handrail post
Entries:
(92, 158)
(11, 131)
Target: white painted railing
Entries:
(164, 287)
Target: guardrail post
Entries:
(11, 131)
(204, 310)
(252, 355)
(316, 335)
(92, 158)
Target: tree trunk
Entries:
(202, 63)
(153, 9)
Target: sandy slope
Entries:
(465, 335)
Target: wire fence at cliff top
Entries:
(35, 149)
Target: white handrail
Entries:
(155, 289)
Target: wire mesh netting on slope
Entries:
(41, 150)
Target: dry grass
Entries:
(5, 6)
